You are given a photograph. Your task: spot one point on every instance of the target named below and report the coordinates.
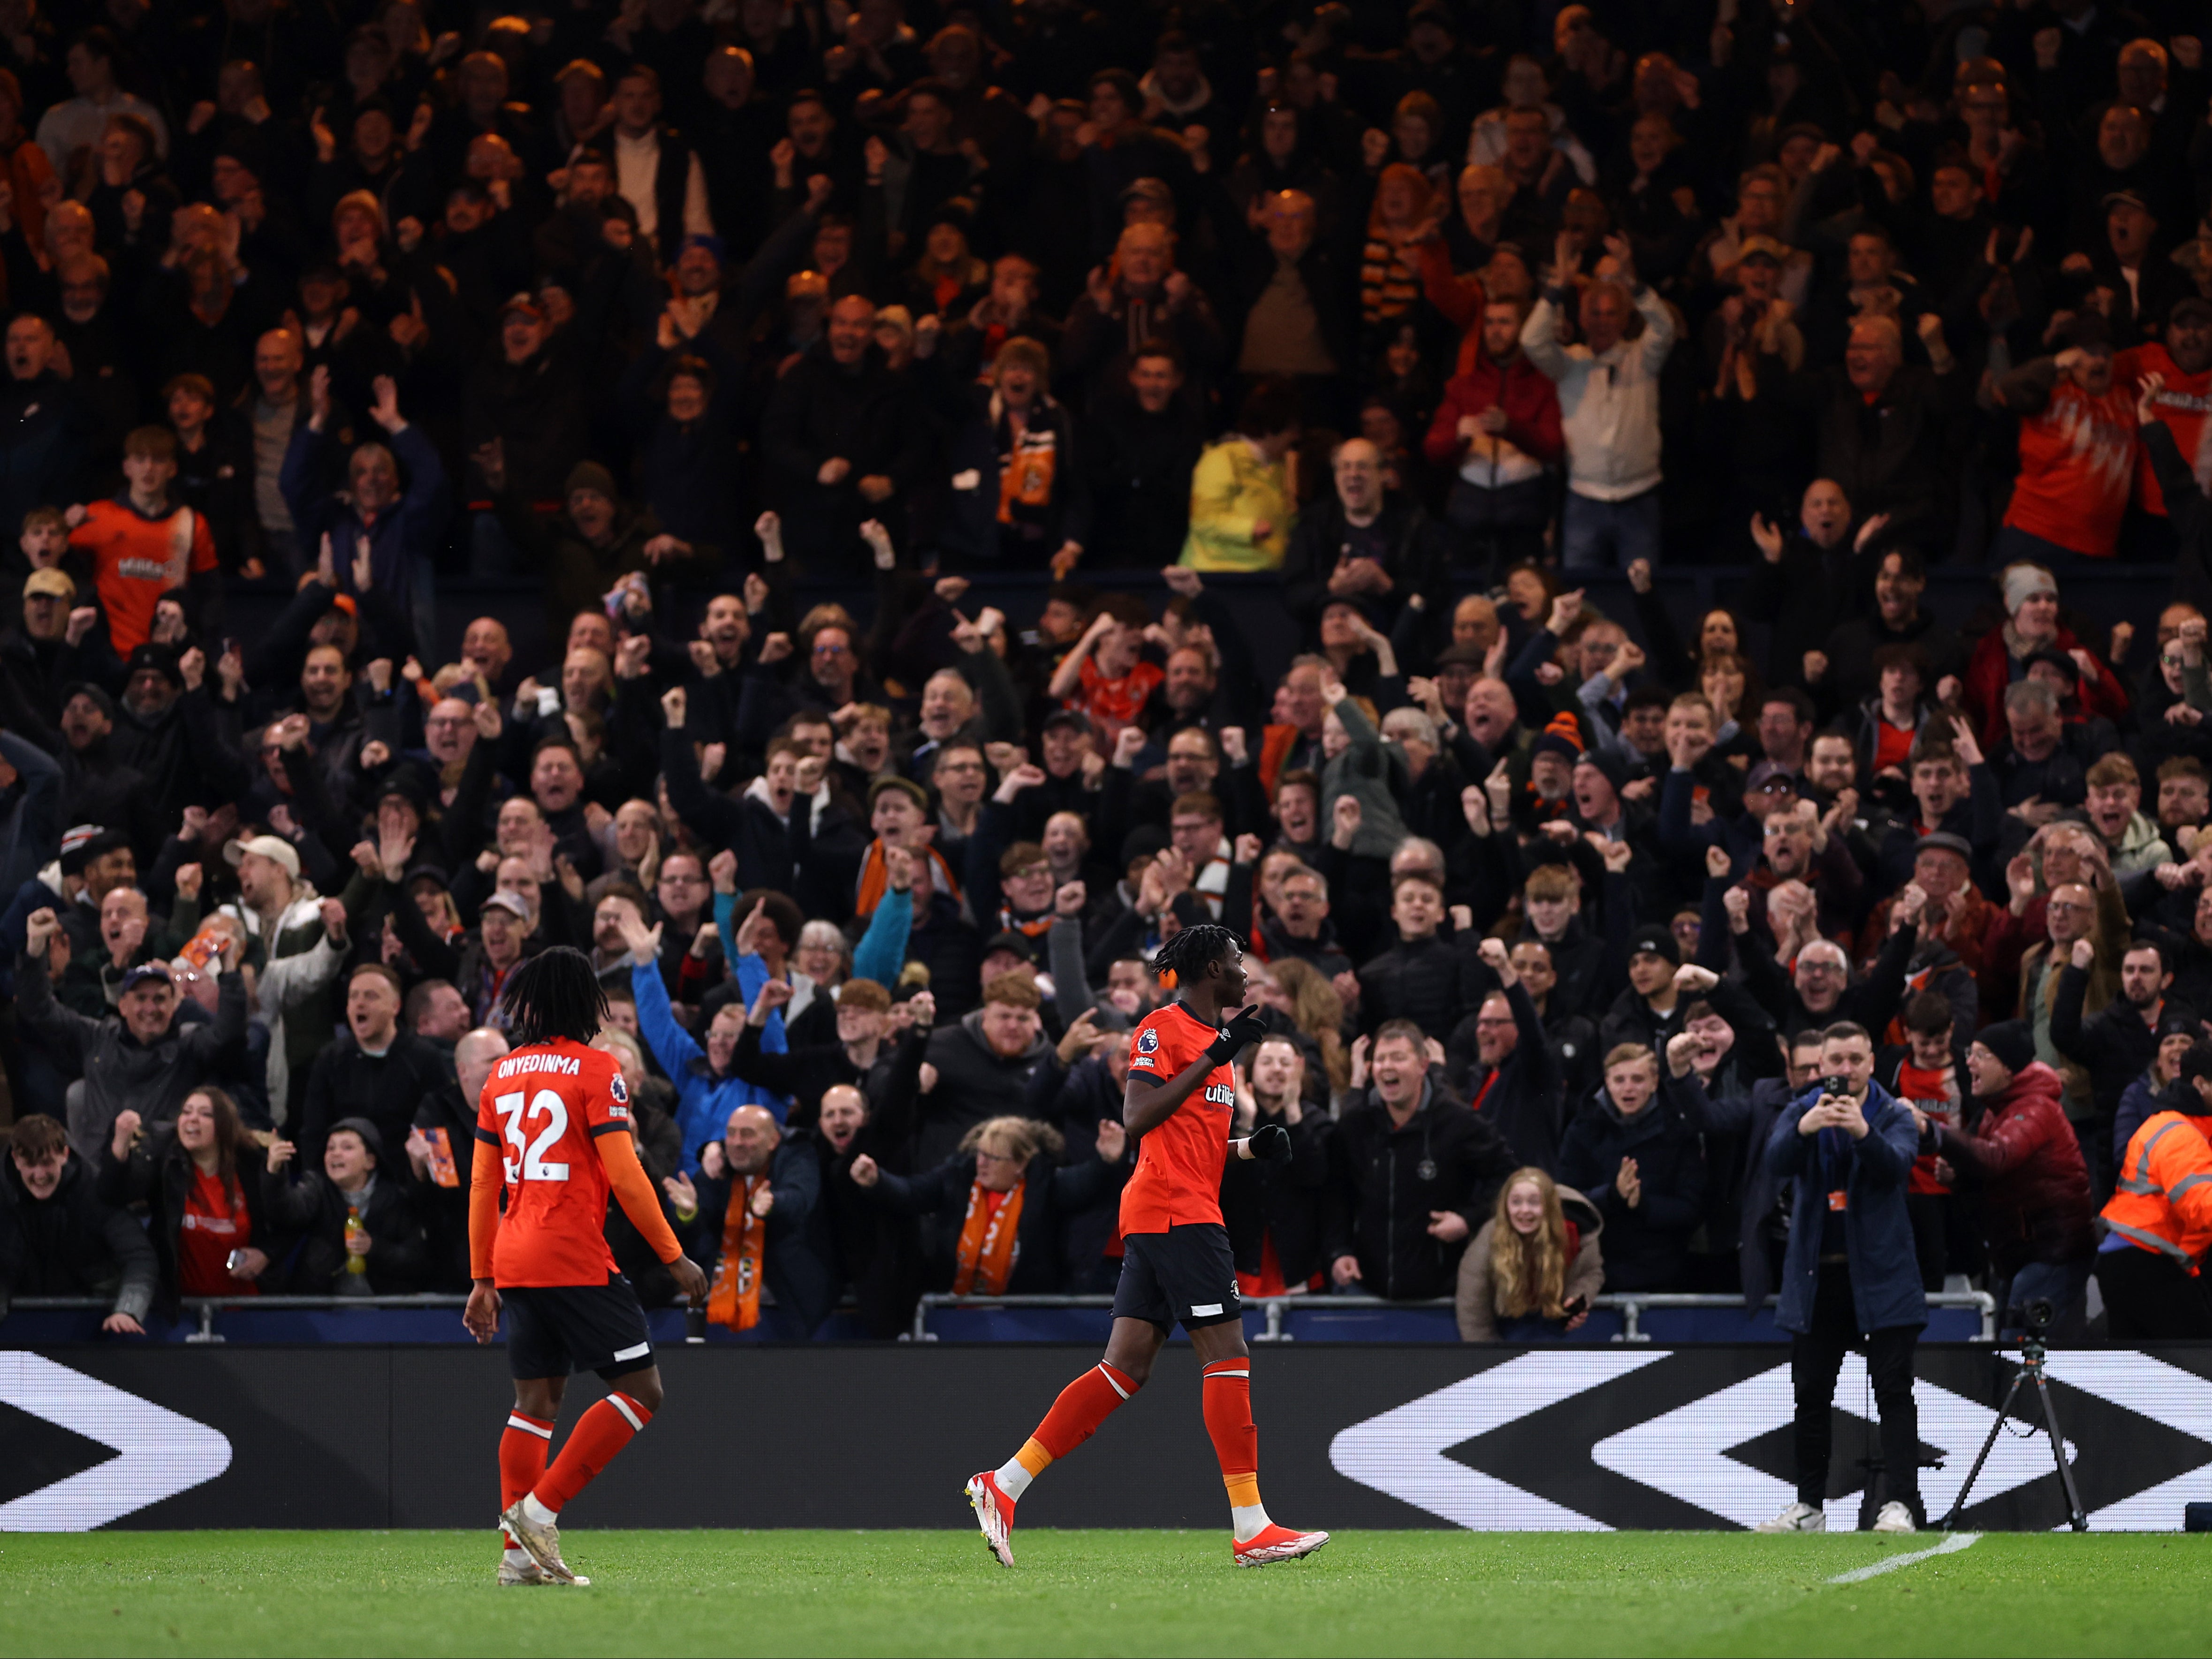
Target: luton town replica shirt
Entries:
(1178, 1178)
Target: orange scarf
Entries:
(733, 1299)
(989, 1241)
(875, 880)
(1026, 472)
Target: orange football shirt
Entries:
(542, 1107)
(136, 559)
(1178, 1178)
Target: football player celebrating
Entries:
(553, 1136)
(1176, 1266)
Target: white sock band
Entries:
(1250, 1520)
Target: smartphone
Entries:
(1835, 1085)
(230, 1262)
(1578, 1305)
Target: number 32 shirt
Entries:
(543, 1107)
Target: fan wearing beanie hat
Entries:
(1600, 776)
(1551, 760)
(1649, 1011)
(2028, 1160)
(2021, 583)
(2030, 595)
(599, 542)
(2012, 1045)
(354, 1212)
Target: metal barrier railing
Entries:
(1629, 1304)
(205, 1307)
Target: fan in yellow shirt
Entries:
(1241, 492)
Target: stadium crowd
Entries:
(752, 333)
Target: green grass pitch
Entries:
(1102, 1592)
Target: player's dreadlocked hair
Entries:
(554, 994)
(1192, 949)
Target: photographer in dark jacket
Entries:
(1850, 1278)
(1635, 1154)
(1273, 1210)
(1412, 1174)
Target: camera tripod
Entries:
(2031, 1368)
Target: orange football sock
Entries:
(1082, 1405)
(522, 1450)
(1227, 1404)
(611, 1424)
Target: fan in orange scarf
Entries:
(898, 812)
(734, 1177)
(989, 1247)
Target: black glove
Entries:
(1271, 1142)
(1241, 1033)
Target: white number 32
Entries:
(546, 1103)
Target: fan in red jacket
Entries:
(2037, 1214)
(1501, 380)
(1498, 429)
(2032, 624)
(2183, 363)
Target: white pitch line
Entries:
(1950, 1545)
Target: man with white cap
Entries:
(294, 942)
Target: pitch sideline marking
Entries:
(1950, 1545)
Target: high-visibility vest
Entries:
(2163, 1201)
